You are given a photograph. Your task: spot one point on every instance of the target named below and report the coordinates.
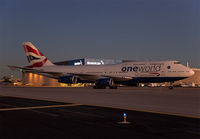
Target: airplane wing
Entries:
(57, 75)
(120, 78)
(115, 78)
(18, 68)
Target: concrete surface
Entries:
(22, 118)
(180, 101)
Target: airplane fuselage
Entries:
(140, 72)
(127, 73)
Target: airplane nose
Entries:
(191, 72)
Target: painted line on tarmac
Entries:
(39, 107)
(148, 111)
(114, 107)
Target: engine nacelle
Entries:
(105, 82)
(70, 79)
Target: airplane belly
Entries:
(90, 78)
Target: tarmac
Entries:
(179, 101)
(88, 113)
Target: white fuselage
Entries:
(128, 70)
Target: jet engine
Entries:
(104, 82)
(70, 79)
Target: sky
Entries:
(114, 29)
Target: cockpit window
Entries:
(177, 62)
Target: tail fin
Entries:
(34, 56)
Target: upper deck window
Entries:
(177, 62)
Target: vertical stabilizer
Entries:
(34, 56)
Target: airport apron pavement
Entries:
(180, 101)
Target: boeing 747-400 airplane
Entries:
(127, 73)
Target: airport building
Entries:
(89, 61)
